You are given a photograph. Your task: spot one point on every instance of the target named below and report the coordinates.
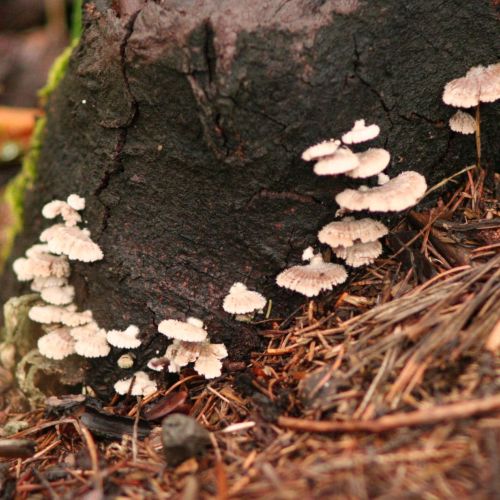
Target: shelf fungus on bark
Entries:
(339, 162)
(361, 133)
(312, 278)
(40, 263)
(241, 300)
(73, 242)
(463, 123)
(348, 231)
(399, 193)
(480, 84)
(371, 162)
(124, 339)
(191, 330)
(57, 344)
(138, 385)
(359, 254)
(320, 150)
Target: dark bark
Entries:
(188, 145)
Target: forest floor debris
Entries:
(387, 387)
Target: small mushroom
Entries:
(92, 346)
(325, 148)
(58, 314)
(359, 254)
(347, 231)
(126, 361)
(463, 123)
(382, 179)
(126, 339)
(138, 385)
(73, 242)
(312, 278)
(371, 162)
(191, 330)
(339, 162)
(76, 202)
(399, 193)
(39, 263)
(180, 353)
(58, 344)
(55, 208)
(38, 284)
(209, 362)
(360, 133)
(241, 300)
(479, 84)
(58, 295)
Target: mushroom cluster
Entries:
(480, 84)
(67, 330)
(356, 241)
(190, 345)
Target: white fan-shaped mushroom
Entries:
(347, 231)
(191, 330)
(360, 133)
(241, 300)
(399, 193)
(126, 339)
(311, 279)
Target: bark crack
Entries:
(117, 164)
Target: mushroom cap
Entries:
(325, 148)
(92, 346)
(126, 339)
(58, 207)
(479, 84)
(76, 202)
(58, 295)
(181, 353)
(73, 242)
(38, 284)
(59, 314)
(85, 332)
(189, 330)
(360, 133)
(359, 254)
(371, 162)
(58, 344)
(463, 123)
(142, 385)
(382, 179)
(208, 363)
(399, 193)
(347, 231)
(241, 300)
(311, 279)
(125, 361)
(40, 264)
(339, 162)
(308, 253)
(158, 364)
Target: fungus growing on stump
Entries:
(241, 300)
(57, 344)
(348, 231)
(191, 330)
(361, 133)
(312, 278)
(359, 254)
(126, 339)
(138, 385)
(399, 193)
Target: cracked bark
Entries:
(188, 145)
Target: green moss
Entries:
(13, 196)
(57, 71)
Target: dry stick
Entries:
(453, 411)
(135, 429)
(93, 454)
(478, 136)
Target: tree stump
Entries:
(182, 124)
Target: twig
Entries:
(453, 411)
